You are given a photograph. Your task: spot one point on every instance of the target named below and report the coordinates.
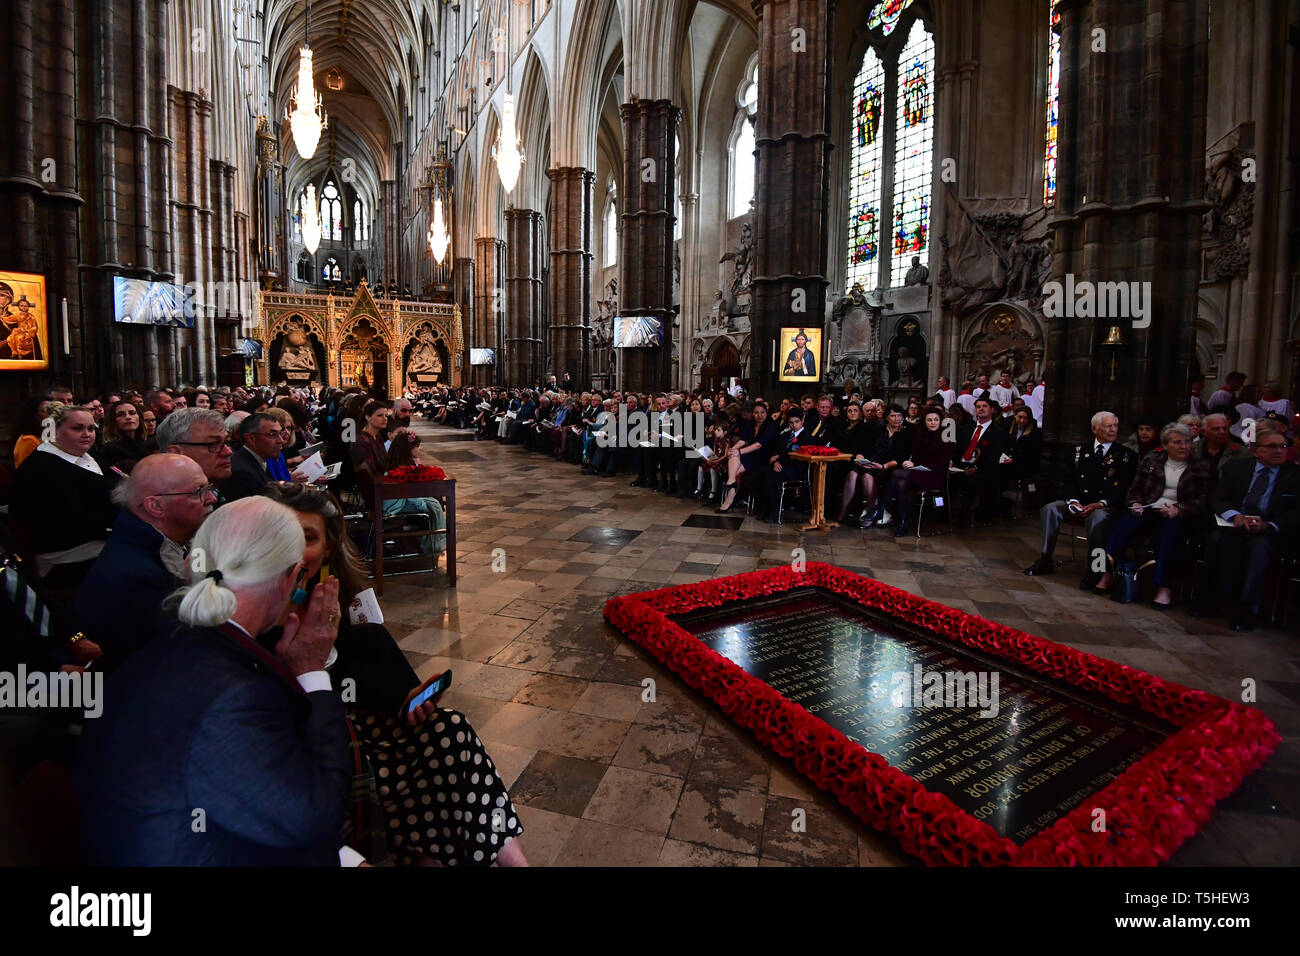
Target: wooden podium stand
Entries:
(817, 481)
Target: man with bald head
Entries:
(161, 505)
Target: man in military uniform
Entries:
(1095, 489)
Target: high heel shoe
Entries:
(735, 497)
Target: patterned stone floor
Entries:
(602, 779)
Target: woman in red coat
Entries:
(926, 470)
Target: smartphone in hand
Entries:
(426, 692)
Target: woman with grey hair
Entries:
(1170, 492)
(1193, 423)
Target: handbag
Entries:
(1124, 582)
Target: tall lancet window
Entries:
(1053, 104)
(360, 223)
(331, 213)
(891, 157)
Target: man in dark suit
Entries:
(823, 427)
(1259, 498)
(162, 504)
(212, 750)
(781, 467)
(1094, 493)
(979, 447)
(248, 473)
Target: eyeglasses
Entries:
(1273, 444)
(198, 494)
(213, 447)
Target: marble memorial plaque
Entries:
(1010, 747)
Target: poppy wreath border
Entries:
(1151, 808)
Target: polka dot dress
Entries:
(441, 794)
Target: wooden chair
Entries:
(381, 491)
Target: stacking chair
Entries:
(940, 497)
(397, 527)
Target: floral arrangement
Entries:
(818, 450)
(416, 473)
(1151, 807)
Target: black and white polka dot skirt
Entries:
(441, 794)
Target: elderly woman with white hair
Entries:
(1170, 491)
(212, 749)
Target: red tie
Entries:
(974, 443)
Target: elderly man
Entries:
(1215, 442)
(161, 504)
(1257, 504)
(198, 433)
(401, 417)
(1095, 489)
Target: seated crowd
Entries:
(217, 587)
(1192, 482)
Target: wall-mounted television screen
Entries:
(638, 332)
(482, 357)
(139, 302)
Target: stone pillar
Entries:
(522, 338)
(1130, 198)
(462, 281)
(392, 271)
(645, 262)
(790, 194)
(571, 261)
(489, 303)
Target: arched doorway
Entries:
(722, 366)
(363, 359)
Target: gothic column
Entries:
(521, 339)
(462, 282)
(572, 221)
(388, 206)
(645, 262)
(792, 178)
(1129, 206)
(489, 300)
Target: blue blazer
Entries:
(195, 722)
(119, 601)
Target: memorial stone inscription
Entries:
(1011, 748)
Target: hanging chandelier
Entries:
(509, 149)
(306, 112)
(309, 216)
(439, 239)
(508, 152)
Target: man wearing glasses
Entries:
(161, 505)
(1257, 504)
(200, 434)
(260, 435)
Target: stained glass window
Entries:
(360, 224)
(886, 14)
(912, 152)
(865, 172)
(891, 139)
(331, 213)
(1053, 106)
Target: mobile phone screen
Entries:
(430, 691)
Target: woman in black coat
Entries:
(891, 445)
(1024, 448)
(124, 443)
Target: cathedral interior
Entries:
(902, 175)
(1096, 196)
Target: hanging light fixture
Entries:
(309, 216)
(439, 239)
(509, 149)
(306, 112)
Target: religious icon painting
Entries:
(24, 322)
(799, 352)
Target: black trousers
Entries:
(1236, 563)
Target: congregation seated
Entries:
(260, 743)
(257, 460)
(160, 508)
(1094, 488)
(980, 445)
(1257, 506)
(61, 499)
(1216, 443)
(781, 467)
(1168, 496)
(925, 469)
(749, 455)
(884, 448)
